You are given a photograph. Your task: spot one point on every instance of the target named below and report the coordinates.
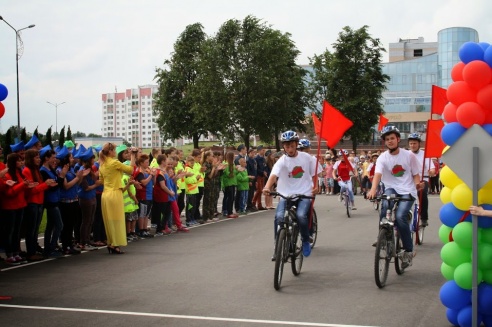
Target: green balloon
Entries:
(444, 232)
(463, 234)
(447, 271)
(453, 255)
(487, 276)
(463, 275)
(484, 256)
(486, 235)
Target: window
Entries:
(417, 52)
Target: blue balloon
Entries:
(451, 132)
(465, 317)
(485, 298)
(3, 92)
(454, 297)
(450, 215)
(487, 56)
(488, 128)
(484, 45)
(470, 51)
(452, 316)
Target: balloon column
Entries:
(470, 102)
(3, 94)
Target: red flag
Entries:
(317, 123)
(439, 100)
(433, 142)
(382, 122)
(333, 125)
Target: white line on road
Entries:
(163, 315)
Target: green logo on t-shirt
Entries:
(297, 172)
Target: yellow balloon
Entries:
(449, 178)
(487, 186)
(461, 196)
(445, 194)
(484, 196)
(445, 149)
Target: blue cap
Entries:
(78, 152)
(34, 139)
(63, 153)
(17, 147)
(58, 148)
(43, 151)
(87, 154)
(98, 148)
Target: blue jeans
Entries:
(33, 215)
(303, 207)
(402, 212)
(54, 226)
(347, 185)
(243, 199)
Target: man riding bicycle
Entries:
(294, 173)
(429, 171)
(341, 173)
(398, 169)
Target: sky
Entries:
(79, 50)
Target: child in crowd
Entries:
(146, 177)
(173, 200)
(330, 182)
(191, 181)
(229, 183)
(242, 185)
(322, 188)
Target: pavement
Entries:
(220, 274)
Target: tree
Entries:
(61, 138)
(79, 134)
(48, 139)
(351, 79)
(36, 132)
(94, 135)
(175, 97)
(69, 134)
(23, 136)
(8, 141)
(249, 83)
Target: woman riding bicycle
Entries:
(398, 169)
(294, 173)
(341, 172)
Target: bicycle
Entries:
(314, 229)
(288, 243)
(417, 227)
(344, 198)
(389, 245)
(376, 201)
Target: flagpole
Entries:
(316, 169)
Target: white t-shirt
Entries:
(420, 158)
(398, 171)
(295, 174)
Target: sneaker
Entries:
(306, 249)
(20, 259)
(89, 247)
(232, 216)
(183, 229)
(375, 243)
(216, 219)
(55, 254)
(11, 261)
(71, 250)
(129, 239)
(354, 208)
(158, 233)
(35, 257)
(274, 257)
(209, 221)
(188, 224)
(406, 259)
(167, 231)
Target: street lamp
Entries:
(56, 113)
(17, 57)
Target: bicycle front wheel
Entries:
(280, 255)
(314, 229)
(296, 257)
(420, 233)
(382, 258)
(347, 207)
(375, 204)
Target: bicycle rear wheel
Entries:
(375, 204)
(296, 257)
(398, 259)
(382, 258)
(419, 232)
(281, 252)
(314, 229)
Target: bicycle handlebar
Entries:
(392, 197)
(292, 197)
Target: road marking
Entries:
(163, 315)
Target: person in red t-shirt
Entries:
(341, 172)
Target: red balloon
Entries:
(477, 74)
(2, 110)
(470, 113)
(488, 117)
(449, 113)
(484, 97)
(460, 92)
(457, 71)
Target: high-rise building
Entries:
(413, 67)
(129, 115)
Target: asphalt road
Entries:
(220, 274)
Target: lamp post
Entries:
(17, 57)
(56, 113)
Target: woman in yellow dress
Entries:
(110, 172)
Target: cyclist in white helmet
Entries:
(341, 173)
(294, 173)
(398, 169)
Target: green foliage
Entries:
(69, 134)
(36, 133)
(61, 138)
(8, 141)
(48, 139)
(351, 79)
